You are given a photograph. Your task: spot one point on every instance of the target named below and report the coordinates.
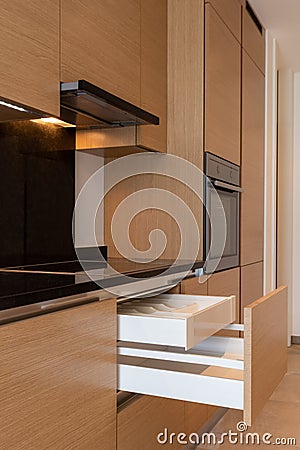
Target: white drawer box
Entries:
(171, 319)
(236, 373)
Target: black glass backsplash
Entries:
(37, 193)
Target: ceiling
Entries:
(282, 18)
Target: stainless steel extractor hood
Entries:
(87, 105)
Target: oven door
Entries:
(216, 191)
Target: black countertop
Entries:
(20, 286)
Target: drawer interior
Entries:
(236, 373)
(174, 319)
(173, 306)
(213, 376)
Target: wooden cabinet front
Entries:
(230, 12)
(29, 32)
(58, 380)
(222, 88)
(140, 422)
(251, 283)
(226, 283)
(252, 169)
(100, 42)
(154, 72)
(253, 37)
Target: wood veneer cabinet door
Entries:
(252, 168)
(230, 12)
(251, 284)
(58, 380)
(154, 72)
(254, 40)
(226, 283)
(139, 423)
(29, 32)
(194, 286)
(222, 88)
(100, 42)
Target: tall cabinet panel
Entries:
(253, 37)
(29, 33)
(252, 173)
(230, 12)
(100, 42)
(222, 88)
(154, 72)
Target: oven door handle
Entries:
(228, 186)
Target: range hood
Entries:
(88, 106)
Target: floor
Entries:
(280, 416)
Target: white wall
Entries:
(285, 185)
(270, 198)
(85, 165)
(296, 210)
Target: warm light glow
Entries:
(54, 121)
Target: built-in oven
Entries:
(222, 213)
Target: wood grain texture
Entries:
(252, 167)
(251, 284)
(253, 41)
(139, 423)
(154, 72)
(58, 380)
(222, 88)
(230, 12)
(185, 79)
(29, 33)
(195, 416)
(185, 104)
(100, 42)
(265, 349)
(226, 283)
(192, 286)
(185, 135)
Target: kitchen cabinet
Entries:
(222, 88)
(252, 169)
(194, 286)
(226, 283)
(58, 379)
(154, 73)
(100, 42)
(185, 132)
(141, 420)
(253, 37)
(122, 48)
(244, 379)
(230, 12)
(251, 283)
(29, 32)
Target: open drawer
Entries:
(174, 319)
(238, 373)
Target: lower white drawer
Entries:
(237, 373)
